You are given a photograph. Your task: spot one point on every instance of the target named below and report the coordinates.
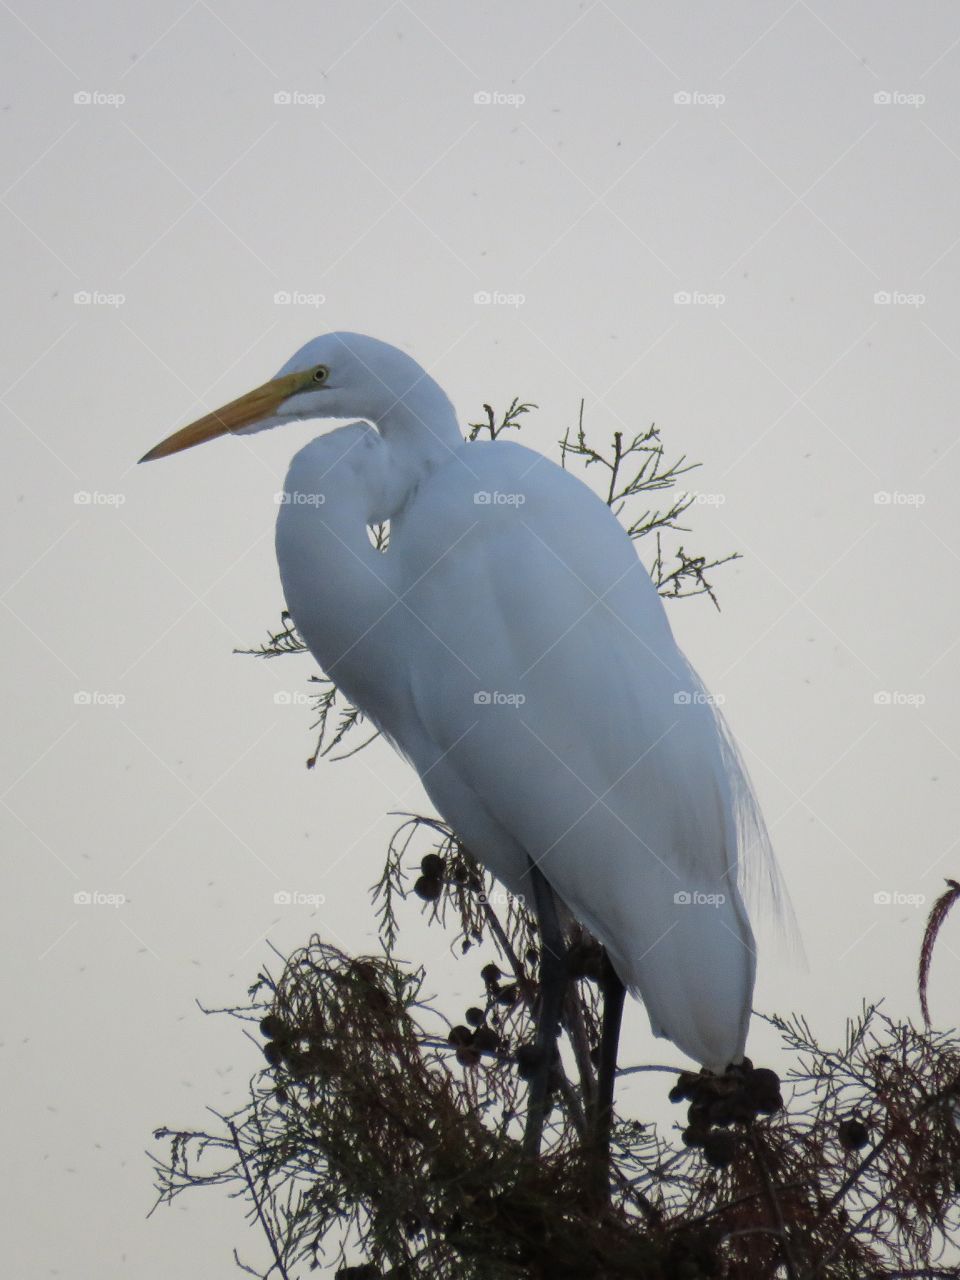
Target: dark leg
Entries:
(613, 995)
(553, 982)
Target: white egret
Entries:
(511, 645)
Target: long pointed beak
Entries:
(260, 403)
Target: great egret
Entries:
(511, 645)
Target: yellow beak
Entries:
(259, 403)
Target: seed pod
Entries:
(741, 1112)
(719, 1149)
(693, 1136)
(486, 1040)
(698, 1114)
(762, 1090)
(428, 888)
(432, 866)
(853, 1134)
(273, 1052)
(685, 1088)
(720, 1112)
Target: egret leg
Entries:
(613, 997)
(553, 982)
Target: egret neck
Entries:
(420, 426)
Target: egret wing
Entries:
(553, 701)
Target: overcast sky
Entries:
(738, 221)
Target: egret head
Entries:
(338, 375)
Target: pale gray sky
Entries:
(783, 163)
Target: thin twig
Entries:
(268, 1230)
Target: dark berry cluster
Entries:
(719, 1101)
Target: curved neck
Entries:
(343, 595)
(422, 424)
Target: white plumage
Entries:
(512, 646)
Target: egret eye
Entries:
(321, 374)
